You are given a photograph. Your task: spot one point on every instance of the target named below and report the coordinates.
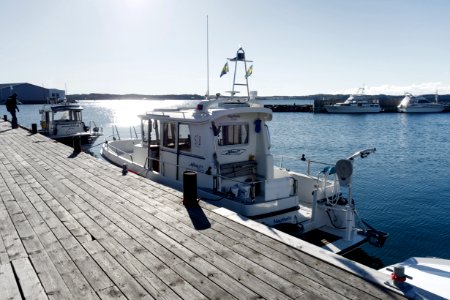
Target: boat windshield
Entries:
(67, 115)
(234, 134)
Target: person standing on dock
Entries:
(11, 106)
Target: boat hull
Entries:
(428, 109)
(351, 109)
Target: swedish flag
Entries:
(249, 72)
(225, 69)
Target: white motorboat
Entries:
(421, 277)
(226, 143)
(356, 103)
(62, 121)
(419, 104)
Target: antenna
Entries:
(207, 57)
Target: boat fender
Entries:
(208, 172)
(257, 125)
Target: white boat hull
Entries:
(352, 109)
(417, 109)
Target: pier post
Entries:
(76, 144)
(190, 188)
(34, 128)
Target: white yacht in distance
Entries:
(419, 104)
(226, 143)
(355, 104)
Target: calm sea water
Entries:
(403, 189)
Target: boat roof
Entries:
(62, 107)
(210, 110)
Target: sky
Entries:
(156, 47)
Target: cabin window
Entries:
(184, 138)
(144, 130)
(169, 135)
(235, 134)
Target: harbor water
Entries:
(403, 188)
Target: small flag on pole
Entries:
(249, 72)
(224, 69)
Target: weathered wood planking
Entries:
(72, 227)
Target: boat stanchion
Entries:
(5, 118)
(76, 144)
(34, 128)
(190, 188)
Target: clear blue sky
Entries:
(159, 46)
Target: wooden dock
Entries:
(73, 227)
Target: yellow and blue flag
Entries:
(249, 72)
(225, 69)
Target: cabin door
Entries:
(168, 154)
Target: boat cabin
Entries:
(62, 120)
(230, 142)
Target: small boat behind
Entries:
(419, 104)
(421, 277)
(355, 104)
(63, 121)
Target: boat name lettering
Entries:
(233, 152)
(197, 167)
(234, 116)
(282, 220)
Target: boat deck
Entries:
(73, 227)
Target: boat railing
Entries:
(94, 129)
(167, 112)
(284, 160)
(256, 183)
(116, 135)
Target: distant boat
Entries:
(419, 104)
(62, 121)
(355, 104)
(421, 277)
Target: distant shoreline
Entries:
(323, 97)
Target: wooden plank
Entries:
(8, 285)
(11, 240)
(124, 281)
(49, 277)
(28, 279)
(4, 259)
(73, 278)
(111, 293)
(155, 286)
(97, 277)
